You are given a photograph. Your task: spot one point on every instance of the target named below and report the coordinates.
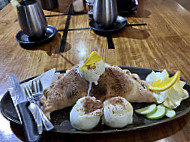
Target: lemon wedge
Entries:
(93, 58)
(166, 83)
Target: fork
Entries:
(34, 93)
(37, 91)
(34, 108)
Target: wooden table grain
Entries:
(164, 43)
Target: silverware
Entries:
(34, 93)
(105, 12)
(37, 90)
(31, 19)
(28, 123)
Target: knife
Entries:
(27, 120)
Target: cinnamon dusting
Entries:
(91, 67)
(91, 105)
(115, 101)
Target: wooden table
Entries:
(164, 43)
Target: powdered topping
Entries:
(118, 112)
(91, 67)
(91, 105)
(116, 101)
(86, 113)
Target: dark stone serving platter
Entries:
(60, 118)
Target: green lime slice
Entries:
(170, 113)
(146, 110)
(159, 113)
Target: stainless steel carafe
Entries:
(105, 12)
(31, 19)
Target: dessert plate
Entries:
(60, 118)
(25, 39)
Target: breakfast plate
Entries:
(60, 118)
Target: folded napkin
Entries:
(46, 79)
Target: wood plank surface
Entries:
(164, 43)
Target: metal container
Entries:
(48, 4)
(105, 12)
(31, 19)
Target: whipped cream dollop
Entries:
(118, 112)
(172, 97)
(93, 72)
(86, 113)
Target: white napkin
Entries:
(46, 79)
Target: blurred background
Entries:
(3, 3)
(184, 3)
